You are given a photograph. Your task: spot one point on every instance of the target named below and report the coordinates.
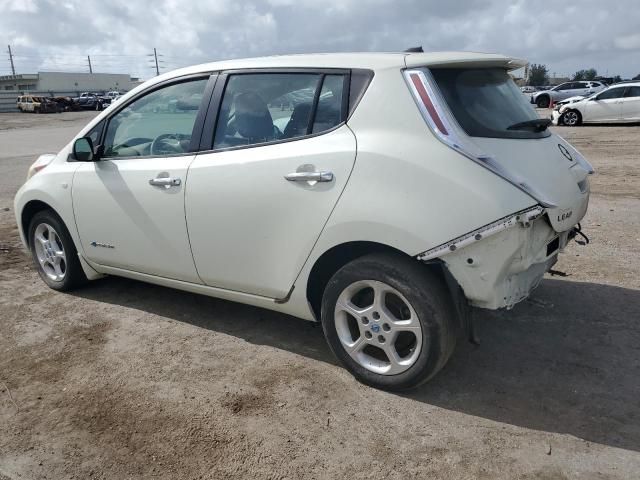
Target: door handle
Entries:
(166, 182)
(310, 177)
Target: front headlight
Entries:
(40, 163)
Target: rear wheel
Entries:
(389, 320)
(543, 101)
(571, 118)
(54, 254)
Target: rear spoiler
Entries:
(463, 59)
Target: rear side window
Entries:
(487, 103)
(329, 112)
(633, 92)
(266, 107)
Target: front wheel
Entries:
(389, 320)
(571, 118)
(54, 254)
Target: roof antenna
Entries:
(415, 50)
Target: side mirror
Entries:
(83, 150)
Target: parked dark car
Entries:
(66, 104)
(91, 101)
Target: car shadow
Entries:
(567, 360)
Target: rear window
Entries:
(487, 103)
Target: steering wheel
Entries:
(166, 144)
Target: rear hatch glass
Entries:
(487, 103)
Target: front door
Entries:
(129, 206)
(282, 156)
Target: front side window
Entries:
(160, 123)
(564, 86)
(611, 94)
(267, 107)
(487, 103)
(95, 132)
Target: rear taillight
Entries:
(428, 104)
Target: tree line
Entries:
(539, 75)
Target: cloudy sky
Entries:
(119, 34)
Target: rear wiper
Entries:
(538, 125)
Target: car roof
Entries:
(373, 61)
(632, 83)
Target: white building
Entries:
(66, 82)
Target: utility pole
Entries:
(13, 69)
(89, 60)
(155, 55)
(155, 60)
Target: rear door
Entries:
(631, 104)
(606, 106)
(280, 158)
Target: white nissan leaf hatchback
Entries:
(383, 195)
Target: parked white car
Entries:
(404, 189)
(565, 90)
(618, 104)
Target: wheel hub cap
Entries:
(378, 327)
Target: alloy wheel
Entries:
(50, 252)
(571, 118)
(378, 327)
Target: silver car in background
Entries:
(565, 90)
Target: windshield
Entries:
(487, 103)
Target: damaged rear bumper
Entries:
(500, 264)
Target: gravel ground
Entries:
(127, 380)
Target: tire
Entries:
(51, 244)
(571, 118)
(543, 101)
(417, 321)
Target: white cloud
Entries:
(120, 33)
(628, 42)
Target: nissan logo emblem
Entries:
(565, 152)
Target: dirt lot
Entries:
(127, 380)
